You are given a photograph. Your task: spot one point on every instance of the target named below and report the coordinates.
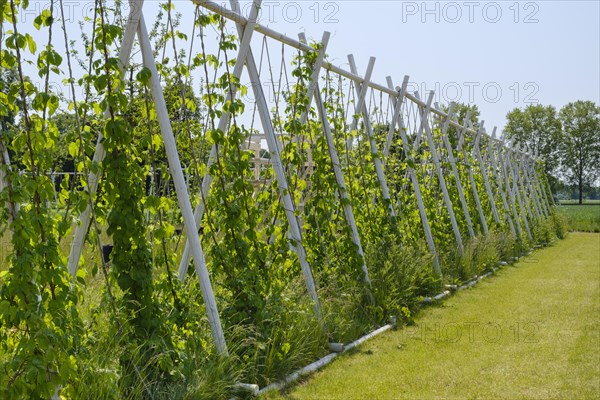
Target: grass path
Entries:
(530, 332)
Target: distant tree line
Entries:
(568, 141)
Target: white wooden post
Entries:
(521, 190)
(526, 182)
(461, 148)
(333, 155)
(509, 187)
(100, 153)
(397, 101)
(361, 108)
(411, 171)
(288, 204)
(313, 85)
(452, 161)
(544, 184)
(180, 185)
(442, 180)
(516, 189)
(530, 165)
(547, 188)
(13, 208)
(498, 172)
(245, 35)
(536, 183)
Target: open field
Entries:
(576, 202)
(530, 332)
(583, 218)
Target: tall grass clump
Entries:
(480, 254)
(401, 277)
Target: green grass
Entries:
(576, 202)
(530, 332)
(582, 218)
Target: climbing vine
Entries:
(40, 326)
(141, 329)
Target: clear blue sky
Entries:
(499, 55)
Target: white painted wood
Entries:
(5, 166)
(545, 184)
(517, 190)
(511, 154)
(183, 199)
(441, 179)
(398, 120)
(531, 170)
(529, 166)
(244, 50)
(240, 19)
(499, 174)
(100, 153)
(343, 191)
(313, 85)
(531, 162)
(523, 173)
(288, 204)
(452, 161)
(333, 155)
(397, 104)
(361, 108)
(467, 160)
(509, 189)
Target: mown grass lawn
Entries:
(532, 331)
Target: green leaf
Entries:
(100, 83)
(31, 43)
(44, 19)
(144, 76)
(73, 149)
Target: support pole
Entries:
(13, 208)
(498, 172)
(441, 179)
(509, 189)
(539, 183)
(545, 185)
(506, 161)
(333, 155)
(476, 152)
(288, 204)
(244, 49)
(361, 108)
(521, 189)
(526, 182)
(530, 165)
(181, 188)
(398, 120)
(452, 161)
(100, 153)
(467, 161)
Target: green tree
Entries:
(460, 110)
(539, 128)
(580, 145)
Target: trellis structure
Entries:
(519, 185)
(410, 148)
